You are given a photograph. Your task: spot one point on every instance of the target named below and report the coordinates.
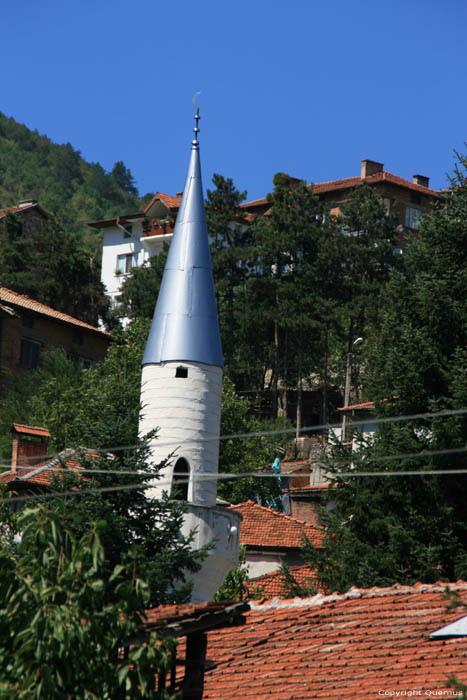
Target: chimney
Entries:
(27, 203)
(29, 445)
(421, 180)
(370, 167)
(179, 194)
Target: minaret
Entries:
(182, 364)
(181, 386)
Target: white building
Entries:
(130, 240)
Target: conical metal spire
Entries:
(185, 325)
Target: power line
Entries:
(258, 434)
(222, 477)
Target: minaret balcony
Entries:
(218, 525)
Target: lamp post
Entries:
(348, 376)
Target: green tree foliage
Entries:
(407, 529)
(123, 177)
(295, 276)
(230, 238)
(249, 454)
(237, 584)
(367, 243)
(51, 266)
(99, 409)
(61, 636)
(140, 288)
(32, 166)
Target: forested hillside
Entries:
(32, 166)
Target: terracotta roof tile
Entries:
(169, 201)
(9, 210)
(345, 183)
(9, 297)
(172, 613)
(363, 645)
(366, 404)
(264, 527)
(30, 430)
(42, 474)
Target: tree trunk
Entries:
(299, 384)
(325, 412)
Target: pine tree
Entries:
(387, 529)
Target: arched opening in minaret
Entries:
(180, 480)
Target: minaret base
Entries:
(218, 525)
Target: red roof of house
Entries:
(362, 645)
(9, 297)
(30, 430)
(169, 201)
(272, 585)
(24, 207)
(347, 182)
(8, 210)
(42, 474)
(356, 406)
(264, 527)
(165, 613)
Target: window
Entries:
(181, 372)
(126, 262)
(180, 480)
(84, 363)
(128, 230)
(30, 354)
(412, 217)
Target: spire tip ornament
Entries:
(195, 142)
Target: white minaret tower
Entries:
(181, 385)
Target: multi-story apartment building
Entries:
(406, 199)
(131, 239)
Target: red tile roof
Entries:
(24, 207)
(170, 613)
(347, 182)
(272, 585)
(9, 297)
(8, 210)
(363, 645)
(366, 404)
(30, 430)
(42, 474)
(264, 527)
(169, 201)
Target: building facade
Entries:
(28, 327)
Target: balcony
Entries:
(222, 527)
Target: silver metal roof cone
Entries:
(185, 325)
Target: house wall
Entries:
(263, 562)
(400, 197)
(114, 244)
(303, 508)
(47, 332)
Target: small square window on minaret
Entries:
(181, 372)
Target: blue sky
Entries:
(306, 87)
